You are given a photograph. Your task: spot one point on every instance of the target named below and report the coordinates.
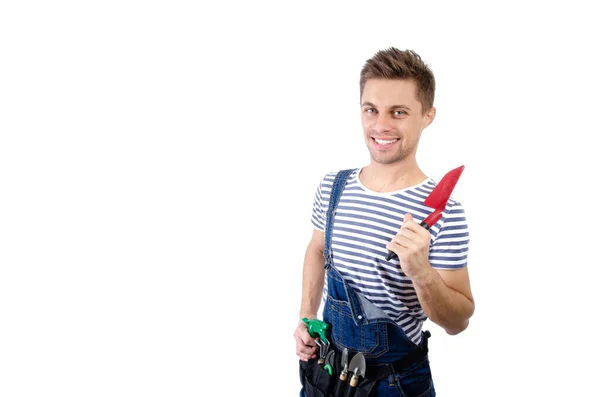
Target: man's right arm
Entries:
(313, 276)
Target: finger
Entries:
(301, 334)
(305, 357)
(306, 352)
(310, 345)
(415, 229)
(309, 356)
(409, 223)
(407, 232)
(304, 341)
(395, 248)
(401, 241)
(306, 338)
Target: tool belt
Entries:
(319, 383)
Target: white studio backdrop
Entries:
(158, 162)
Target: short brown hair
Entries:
(395, 64)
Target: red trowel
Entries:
(437, 200)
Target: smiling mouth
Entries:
(384, 142)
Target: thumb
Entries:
(407, 217)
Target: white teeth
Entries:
(382, 142)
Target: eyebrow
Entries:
(391, 107)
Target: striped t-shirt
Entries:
(366, 221)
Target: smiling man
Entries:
(373, 305)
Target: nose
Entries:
(383, 124)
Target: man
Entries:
(379, 209)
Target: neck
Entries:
(391, 177)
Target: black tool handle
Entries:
(349, 392)
(340, 388)
(392, 255)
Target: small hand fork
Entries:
(323, 350)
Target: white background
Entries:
(158, 162)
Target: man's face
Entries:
(392, 119)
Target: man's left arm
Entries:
(444, 295)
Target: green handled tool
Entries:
(329, 364)
(317, 328)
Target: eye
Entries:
(399, 113)
(370, 111)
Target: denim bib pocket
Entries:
(369, 338)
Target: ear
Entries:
(429, 116)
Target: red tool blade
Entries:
(437, 200)
(440, 194)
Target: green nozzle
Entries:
(317, 328)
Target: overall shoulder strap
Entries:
(336, 192)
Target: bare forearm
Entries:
(443, 305)
(312, 282)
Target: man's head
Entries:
(394, 64)
(397, 90)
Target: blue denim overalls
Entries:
(360, 326)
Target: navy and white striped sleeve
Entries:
(450, 248)
(318, 215)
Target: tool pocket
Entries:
(364, 388)
(315, 380)
(318, 383)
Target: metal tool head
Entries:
(344, 365)
(441, 193)
(358, 365)
(322, 350)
